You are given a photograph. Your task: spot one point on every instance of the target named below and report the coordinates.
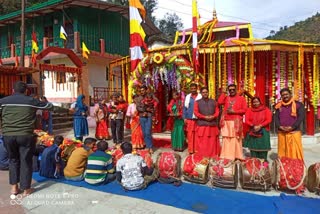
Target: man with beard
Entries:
(288, 117)
(231, 123)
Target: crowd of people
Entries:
(198, 122)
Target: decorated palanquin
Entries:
(254, 174)
(195, 169)
(67, 146)
(169, 167)
(223, 173)
(43, 138)
(289, 174)
(313, 181)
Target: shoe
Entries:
(27, 192)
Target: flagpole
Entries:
(22, 42)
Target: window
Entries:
(107, 73)
(61, 77)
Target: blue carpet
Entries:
(204, 199)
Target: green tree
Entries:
(8, 6)
(150, 6)
(170, 24)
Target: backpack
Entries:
(45, 115)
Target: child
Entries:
(100, 168)
(76, 164)
(51, 163)
(150, 104)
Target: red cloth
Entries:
(102, 130)
(238, 103)
(207, 141)
(262, 117)
(207, 137)
(190, 127)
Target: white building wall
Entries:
(61, 92)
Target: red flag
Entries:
(1, 63)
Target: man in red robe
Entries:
(189, 117)
(231, 124)
(207, 132)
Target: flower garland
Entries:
(273, 79)
(309, 83)
(252, 72)
(278, 77)
(316, 80)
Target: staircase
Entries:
(61, 120)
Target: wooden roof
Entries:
(13, 70)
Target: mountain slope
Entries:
(303, 31)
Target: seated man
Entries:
(132, 171)
(51, 163)
(100, 168)
(4, 159)
(77, 162)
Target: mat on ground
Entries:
(204, 199)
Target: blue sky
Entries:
(264, 15)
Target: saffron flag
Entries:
(137, 34)
(195, 19)
(85, 51)
(63, 33)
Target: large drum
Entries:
(289, 174)
(255, 174)
(195, 169)
(223, 173)
(145, 154)
(313, 183)
(169, 166)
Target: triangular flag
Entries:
(34, 42)
(63, 34)
(85, 51)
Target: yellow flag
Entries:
(63, 33)
(85, 51)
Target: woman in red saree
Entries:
(100, 113)
(136, 131)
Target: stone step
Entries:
(64, 125)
